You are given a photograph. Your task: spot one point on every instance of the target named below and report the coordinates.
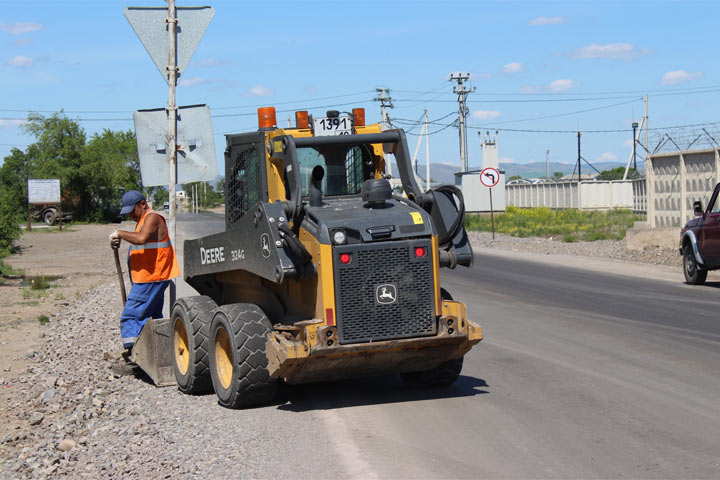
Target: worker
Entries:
(152, 263)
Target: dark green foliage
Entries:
(616, 174)
(93, 174)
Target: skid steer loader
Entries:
(322, 272)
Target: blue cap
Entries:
(129, 200)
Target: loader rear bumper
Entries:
(304, 356)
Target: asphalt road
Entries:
(581, 375)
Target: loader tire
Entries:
(238, 364)
(190, 322)
(442, 375)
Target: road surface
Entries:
(581, 375)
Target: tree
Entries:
(515, 177)
(557, 175)
(208, 196)
(160, 195)
(615, 174)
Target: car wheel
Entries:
(50, 217)
(694, 275)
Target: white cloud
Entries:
(486, 114)
(11, 122)
(212, 62)
(607, 157)
(547, 21)
(562, 85)
(18, 28)
(20, 62)
(513, 67)
(192, 82)
(679, 76)
(614, 51)
(260, 91)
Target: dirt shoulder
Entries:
(75, 260)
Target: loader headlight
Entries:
(339, 237)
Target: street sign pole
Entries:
(172, 127)
(492, 216)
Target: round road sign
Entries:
(489, 177)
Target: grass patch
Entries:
(43, 319)
(571, 225)
(59, 296)
(28, 293)
(39, 283)
(6, 270)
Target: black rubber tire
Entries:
(247, 327)
(443, 375)
(196, 314)
(50, 217)
(694, 275)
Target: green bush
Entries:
(43, 319)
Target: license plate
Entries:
(326, 126)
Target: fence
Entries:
(675, 180)
(591, 195)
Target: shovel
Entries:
(120, 275)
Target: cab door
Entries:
(709, 243)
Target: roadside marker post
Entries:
(490, 177)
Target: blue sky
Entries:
(533, 65)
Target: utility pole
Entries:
(462, 94)
(172, 70)
(579, 173)
(427, 151)
(385, 102)
(647, 125)
(634, 127)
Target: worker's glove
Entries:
(115, 239)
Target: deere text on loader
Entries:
(322, 273)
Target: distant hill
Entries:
(442, 173)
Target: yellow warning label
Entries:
(278, 146)
(417, 218)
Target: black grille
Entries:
(243, 184)
(365, 286)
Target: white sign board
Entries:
(150, 25)
(43, 191)
(196, 145)
(489, 177)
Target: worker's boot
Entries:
(123, 365)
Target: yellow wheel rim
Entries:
(223, 358)
(180, 347)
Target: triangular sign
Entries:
(150, 25)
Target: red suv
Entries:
(700, 241)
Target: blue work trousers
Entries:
(144, 301)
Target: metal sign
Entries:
(196, 147)
(489, 177)
(43, 191)
(150, 25)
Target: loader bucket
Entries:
(152, 352)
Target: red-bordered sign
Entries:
(489, 177)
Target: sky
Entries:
(540, 70)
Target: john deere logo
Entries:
(386, 294)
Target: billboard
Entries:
(44, 191)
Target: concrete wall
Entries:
(675, 181)
(592, 195)
(477, 195)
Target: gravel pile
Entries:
(78, 420)
(612, 249)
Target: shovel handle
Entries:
(120, 275)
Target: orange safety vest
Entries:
(152, 261)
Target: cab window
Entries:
(346, 168)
